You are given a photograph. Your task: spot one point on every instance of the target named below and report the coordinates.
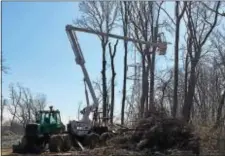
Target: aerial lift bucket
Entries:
(162, 44)
(162, 48)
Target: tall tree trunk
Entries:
(219, 110)
(124, 82)
(186, 76)
(112, 56)
(147, 83)
(152, 83)
(112, 92)
(186, 109)
(152, 69)
(104, 85)
(176, 63)
(190, 94)
(125, 33)
(143, 94)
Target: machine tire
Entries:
(27, 146)
(23, 141)
(55, 143)
(67, 143)
(21, 147)
(106, 136)
(91, 140)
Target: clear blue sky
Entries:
(37, 50)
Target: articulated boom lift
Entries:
(161, 44)
(80, 60)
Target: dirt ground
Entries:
(106, 151)
(6, 151)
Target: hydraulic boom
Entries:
(80, 60)
(162, 45)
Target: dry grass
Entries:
(211, 140)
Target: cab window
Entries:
(58, 118)
(52, 118)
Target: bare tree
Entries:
(214, 10)
(179, 12)
(219, 110)
(3, 105)
(15, 98)
(163, 85)
(112, 56)
(144, 18)
(176, 54)
(99, 92)
(124, 10)
(201, 23)
(100, 16)
(4, 70)
(217, 41)
(155, 11)
(38, 103)
(23, 105)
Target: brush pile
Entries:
(159, 135)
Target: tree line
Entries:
(191, 89)
(21, 105)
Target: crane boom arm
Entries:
(80, 60)
(70, 27)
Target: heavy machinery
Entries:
(92, 129)
(38, 134)
(87, 131)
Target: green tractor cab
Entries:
(37, 134)
(50, 122)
